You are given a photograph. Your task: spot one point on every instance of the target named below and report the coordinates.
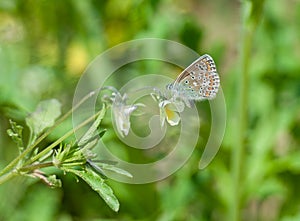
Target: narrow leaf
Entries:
(16, 134)
(116, 170)
(44, 116)
(93, 129)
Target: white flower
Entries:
(169, 110)
(122, 113)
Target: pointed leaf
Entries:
(44, 116)
(96, 168)
(93, 129)
(116, 170)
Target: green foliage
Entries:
(16, 134)
(70, 158)
(115, 169)
(92, 131)
(98, 185)
(44, 116)
(42, 56)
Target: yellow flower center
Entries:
(170, 114)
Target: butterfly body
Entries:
(198, 81)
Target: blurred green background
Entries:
(46, 45)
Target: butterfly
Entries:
(198, 81)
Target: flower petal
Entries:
(122, 113)
(169, 111)
(162, 116)
(173, 117)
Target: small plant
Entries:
(76, 158)
(197, 82)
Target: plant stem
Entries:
(251, 17)
(45, 151)
(69, 133)
(239, 150)
(36, 166)
(8, 176)
(12, 164)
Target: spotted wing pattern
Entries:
(198, 81)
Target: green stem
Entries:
(252, 16)
(8, 176)
(14, 162)
(239, 150)
(46, 150)
(35, 166)
(69, 133)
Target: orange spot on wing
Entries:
(208, 66)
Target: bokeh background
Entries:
(46, 45)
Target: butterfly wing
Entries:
(198, 81)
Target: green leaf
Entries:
(16, 134)
(116, 170)
(68, 156)
(53, 181)
(97, 184)
(44, 116)
(93, 130)
(96, 168)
